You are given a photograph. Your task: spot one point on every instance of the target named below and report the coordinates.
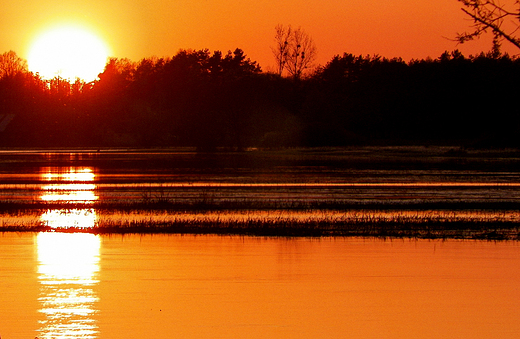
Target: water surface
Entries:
(162, 286)
(364, 175)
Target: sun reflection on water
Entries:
(68, 267)
(69, 185)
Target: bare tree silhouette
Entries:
(282, 39)
(502, 19)
(295, 50)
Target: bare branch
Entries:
(491, 15)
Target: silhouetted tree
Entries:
(503, 20)
(302, 53)
(295, 51)
(236, 64)
(283, 38)
(211, 100)
(11, 64)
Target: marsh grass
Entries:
(430, 224)
(413, 224)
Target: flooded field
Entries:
(259, 244)
(308, 192)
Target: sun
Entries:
(68, 52)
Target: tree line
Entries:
(223, 100)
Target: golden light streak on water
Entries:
(78, 218)
(69, 185)
(74, 174)
(71, 193)
(68, 268)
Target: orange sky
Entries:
(142, 28)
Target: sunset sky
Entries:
(137, 29)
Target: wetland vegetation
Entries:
(488, 225)
(418, 192)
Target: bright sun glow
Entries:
(68, 52)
